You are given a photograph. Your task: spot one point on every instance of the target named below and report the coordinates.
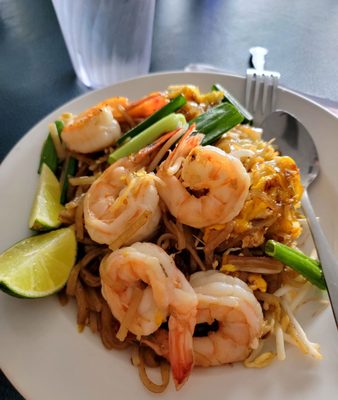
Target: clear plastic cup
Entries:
(107, 40)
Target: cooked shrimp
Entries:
(122, 206)
(92, 130)
(146, 106)
(167, 293)
(202, 185)
(229, 302)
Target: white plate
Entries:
(42, 352)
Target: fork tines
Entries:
(264, 85)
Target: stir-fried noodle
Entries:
(231, 247)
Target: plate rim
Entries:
(9, 155)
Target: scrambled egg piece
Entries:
(197, 102)
(192, 93)
(271, 209)
(257, 282)
(228, 268)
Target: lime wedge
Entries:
(40, 265)
(46, 206)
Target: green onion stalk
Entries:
(298, 261)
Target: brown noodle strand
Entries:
(150, 385)
(254, 264)
(174, 230)
(72, 280)
(82, 158)
(184, 239)
(292, 278)
(73, 277)
(93, 300)
(165, 238)
(78, 191)
(82, 180)
(150, 358)
(88, 241)
(136, 298)
(79, 228)
(83, 170)
(66, 221)
(107, 332)
(91, 280)
(130, 230)
(93, 321)
(106, 326)
(190, 247)
(193, 265)
(70, 206)
(215, 239)
(274, 282)
(82, 306)
(96, 164)
(98, 251)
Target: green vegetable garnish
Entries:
(169, 108)
(166, 124)
(216, 121)
(70, 170)
(59, 126)
(48, 153)
(295, 259)
(228, 97)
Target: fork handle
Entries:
(327, 259)
(258, 57)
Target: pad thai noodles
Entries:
(173, 198)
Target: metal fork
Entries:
(260, 77)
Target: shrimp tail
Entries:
(145, 155)
(182, 149)
(181, 354)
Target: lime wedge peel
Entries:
(46, 207)
(40, 265)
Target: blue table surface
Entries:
(36, 75)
